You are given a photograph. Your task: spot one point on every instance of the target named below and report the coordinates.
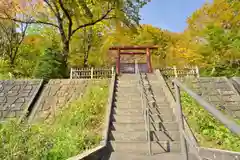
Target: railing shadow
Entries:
(155, 105)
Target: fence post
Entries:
(112, 71)
(175, 71)
(92, 73)
(71, 71)
(197, 72)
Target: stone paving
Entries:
(56, 94)
(16, 97)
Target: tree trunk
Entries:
(88, 40)
(85, 59)
(65, 53)
(12, 64)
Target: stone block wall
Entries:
(57, 93)
(218, 91)
(17, 96)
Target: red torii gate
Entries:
(127, 48)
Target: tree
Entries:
(214, 28)
(68, 17)
(12, 36)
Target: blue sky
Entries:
(169, 14)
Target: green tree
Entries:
(69, 17)
(50, 65)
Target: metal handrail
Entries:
(145, 107)
(147, 117)
(233, 126)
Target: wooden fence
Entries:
(91, 73)
(180, 72)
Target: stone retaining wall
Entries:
(17, 96)
(218, 91)
(57, 93)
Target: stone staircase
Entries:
(128, 138)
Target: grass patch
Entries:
(208, 131)
(75, 128)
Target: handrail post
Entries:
(197, 72)
(175, 71)
(71, 71)
(149, 140)
(180, 122)
(92, 73)
(112, 72)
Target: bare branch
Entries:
(24, 30)
(66, 12)
(60, 22)
(85, 7)
(93, 22)
(28, 22)
(51, 7)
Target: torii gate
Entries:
(127, 48)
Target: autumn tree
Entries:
(68, 17)
(12, 36)
(215, 29)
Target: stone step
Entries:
(128, 98)
(128, 104)
(123, 81)
(127, 76)
(152, 84)
(127, 93)
(138, 110)
(133, 119)
(156, 92)
(154, 114)
(162, 117)
(157, 98)
(137, 103)
(127, 85)
(131, 156)
(142, 136)
(127, 119)
(135, 99)
(170, 126)
(142, 148)
(124, 91)
(138, 106)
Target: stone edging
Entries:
(231, 85)
(236, 83)
(173, 106)
(104, 140)
(31, 102)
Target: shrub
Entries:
(75, 128)
(50, 65)
(209, 131)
